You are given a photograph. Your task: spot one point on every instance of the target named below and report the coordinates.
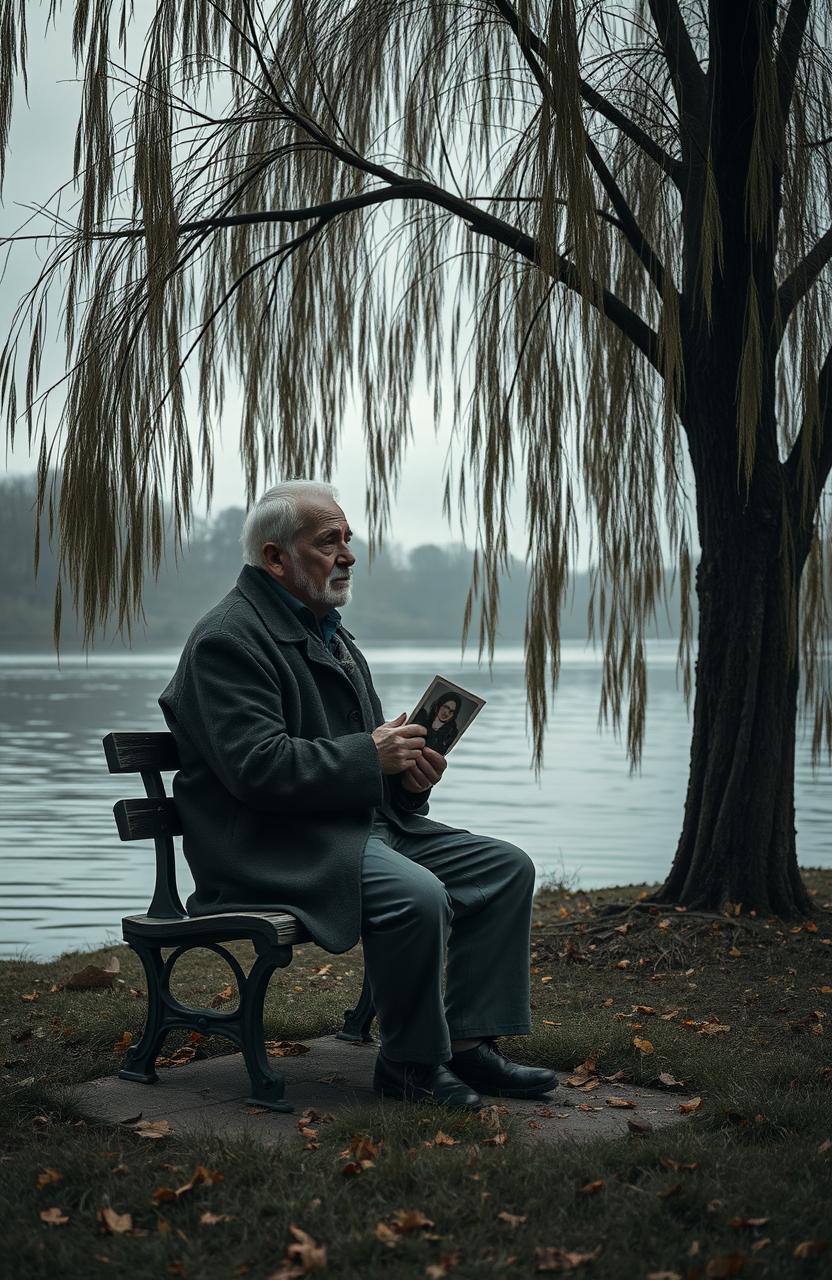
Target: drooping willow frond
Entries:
(324, 202)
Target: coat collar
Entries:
(283, 622)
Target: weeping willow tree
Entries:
(598, 229)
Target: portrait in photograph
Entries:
(446, 711)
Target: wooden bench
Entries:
(166, 925)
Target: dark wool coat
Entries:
(279, 776)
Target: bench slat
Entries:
(140, 752)
(141, 819)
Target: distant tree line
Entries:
(416, 596)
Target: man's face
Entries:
(318, 568)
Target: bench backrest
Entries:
(154, 815)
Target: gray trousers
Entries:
(454, 893)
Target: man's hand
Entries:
(398, 744)
(426, 772)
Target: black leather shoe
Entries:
(485, 1069)
(423, 1082)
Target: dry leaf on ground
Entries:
(726, 1264)
(53, 1217)
(513, 1219)
(621, 1102)
(93, 976)
(47, 1177)
(406, 1220)
(446, 1262)
(152, 1128)
(285, 1048)
(386, 1235)
(644, 1047)
(208, 1219)
(306, 1252)
(112, 1223)
(686, 1108)
(551, 1258)
(810, 1248)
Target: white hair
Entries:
(277, 516)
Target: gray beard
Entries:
(331, 595)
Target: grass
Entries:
(757, 1144)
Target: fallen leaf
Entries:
(93, 976)
(550, 1258)
(285, 1048)
(644, 1046)
(309, 1255)
(152, 1128)
(201, 1176)
(53, 1217)
(677, 1167)
(726, 1264)
(112, 1223)
(761, 1244)
(620, 1102)
(446, 1261)
(47, 1177)
(386, 1235)
(672, 1190)
(513, 1219)
(669, 1081)
(810, 1248)
(362, 1147)
(31, 997)
(663, 1275)
(124, 1043)
(444, 1140)
(592, 1188)
(713, 1028)
(686, 1108)
(825, 1146)
(644, 1009)
(739, 1223)
(208, 1219)
(407, 1220)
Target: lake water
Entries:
(66, 879)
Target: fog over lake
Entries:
(66, 879)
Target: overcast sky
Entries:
(41, 158)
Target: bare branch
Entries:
(533, 48)
(800, 281)
(794, 29)
(683, 64)
(528, 39)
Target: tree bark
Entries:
(738, 837)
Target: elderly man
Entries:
(297, 795)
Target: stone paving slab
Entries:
(210, 1096)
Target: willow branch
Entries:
(537, 46)
(799, 282)
(788, 55)
(636, 238)
(687, 75)
(822, 461)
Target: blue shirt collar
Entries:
(327, 624)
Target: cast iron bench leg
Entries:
(140, 1059)
(267, 1085)
(357, 1021)
(244, 1027)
